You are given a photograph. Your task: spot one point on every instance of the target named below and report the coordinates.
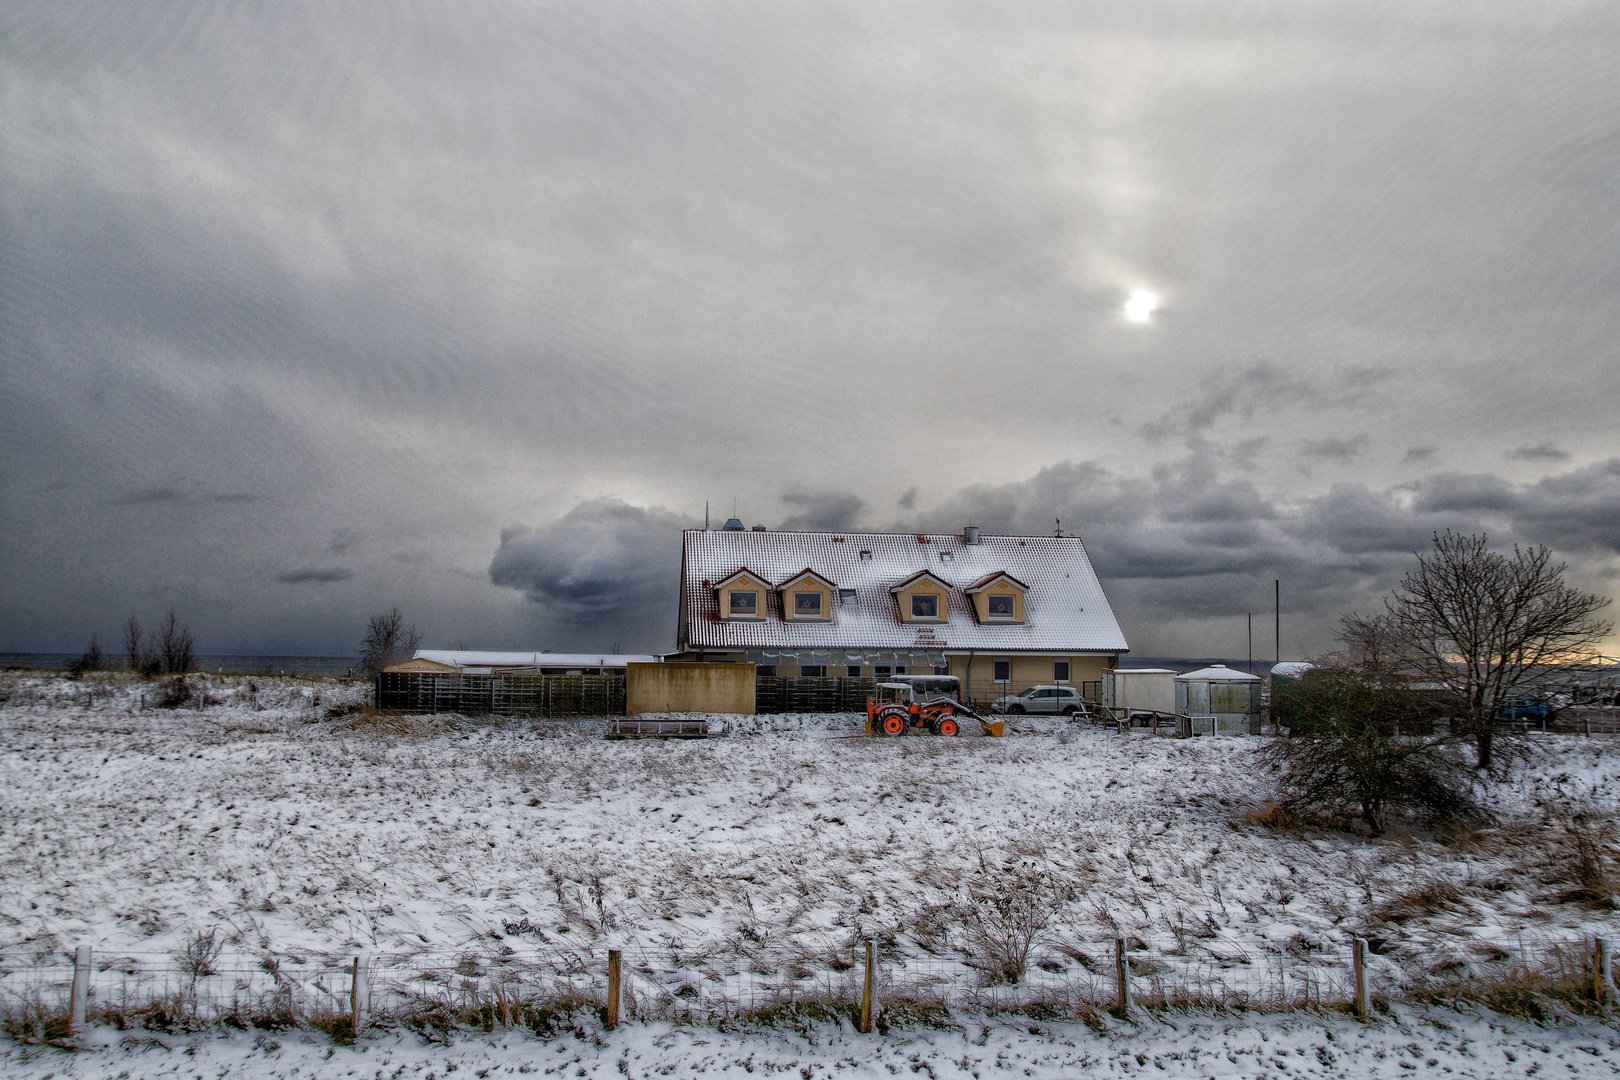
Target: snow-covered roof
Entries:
(1145, 671)
(1217, 673)
(463, 658)
(1065, 609)
(1291, 669)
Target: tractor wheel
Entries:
(945, 726)
(892, 723)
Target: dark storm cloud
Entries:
(1419, 454)
(1544, 451)
(323, 575)
(1342, 450)
(821, 511)
(604, 573)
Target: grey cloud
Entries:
(605, 572)
(153, 495)
(822, 511)
(1542, 451)
(1467, 492)
(908, 501)
(1336, 449)
(1418, 454)
(1579, 510)
(315, 575)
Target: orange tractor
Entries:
(921, 704)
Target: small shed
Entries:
(1219, 700)
(1140, 690)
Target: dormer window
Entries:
(807, 597)
(741, 595)
(921, 598)
(998, 598)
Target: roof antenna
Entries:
(1059, 530)
(705, 515)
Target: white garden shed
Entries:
(1219, 700)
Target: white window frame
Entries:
(1068, 671)
(731, 604)
(821, 605)
(916, 596)
(1011, 615)
(995, 669)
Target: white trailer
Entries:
(1128, 690)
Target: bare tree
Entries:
(388, 640)
(132, 642)
(1484, 626)
(175, 647)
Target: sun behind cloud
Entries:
(1140, 306)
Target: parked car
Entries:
(1042, 699)
(1532, 710)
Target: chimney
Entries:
(970, 534)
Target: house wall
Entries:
(924, 587)
(1027, 670)
(667, 688)
(744, 584)
(981, 607)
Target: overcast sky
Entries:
(309, 311)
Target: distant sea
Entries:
(336, 666)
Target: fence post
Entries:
(1358, 968)
(1122, 979)
(1602, 973)
(613, 989)
(81, 989)
(357, 997)
(866, 992)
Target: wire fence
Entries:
(855, 981)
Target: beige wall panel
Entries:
(711, 688)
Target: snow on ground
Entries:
(294, 824)
(1411, 1042)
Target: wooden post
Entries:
(613, 989)
(81, 989)
(1358, 969)
(357, 996)
(1122, 979)
(1602, 973)
(866, 992)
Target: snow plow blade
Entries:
(992, 727)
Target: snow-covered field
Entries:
(1428, 1042)
(291, 825)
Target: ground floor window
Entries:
(765, 669)
(813, 669)
(1003, 671)
(853, 670)
(1060, 671)
(942, 667)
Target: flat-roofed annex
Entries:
(1063, 607)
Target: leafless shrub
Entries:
(175, 693)
(1589, 835)
(198, 953)
(388, 641)
(91, 660)
(1008, 914)
(133, 657)
(175, 647)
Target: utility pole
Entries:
(1277, 585)
(1251, 643)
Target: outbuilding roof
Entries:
(1065, 609)
(1217, 673)
(464, 659)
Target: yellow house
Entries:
(1002, 613)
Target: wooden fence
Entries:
(504, 695)
(808, 693)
